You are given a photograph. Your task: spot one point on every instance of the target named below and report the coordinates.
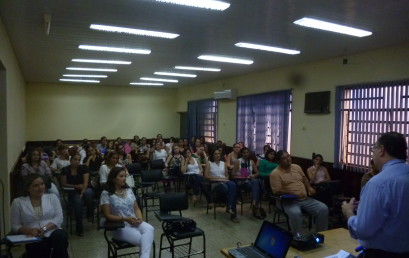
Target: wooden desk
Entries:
(335, 240)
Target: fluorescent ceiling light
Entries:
(116, 49)
(207, 4)
(267, 48)
(207, 69)
(226, 59)
(176, 74)
(157, 79)
(328, 26)
(78, 80)
(147, 83)
(91, 69)
(102, 61)
(85, 75)
(148, 33)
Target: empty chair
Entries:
(151, 189)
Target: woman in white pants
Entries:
(118, 203)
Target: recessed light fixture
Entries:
(226, 59)
(208, 4)
(194, 68)
(85, 75)
(78, 80)
(102, 61)
(267, 48)
(158, 79)
(116, 49)
(176, 74)
(140, 32)
(91, 69)
(147, 83)
(328, 26)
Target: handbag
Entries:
(178, 226)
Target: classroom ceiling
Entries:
(44, 58)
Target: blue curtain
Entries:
(264, 118)
(363, 113)
(202, 119)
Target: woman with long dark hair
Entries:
(118, 203)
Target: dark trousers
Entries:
(376, 253)
(54, 246)
(76, 203)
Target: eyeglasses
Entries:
(373, 148)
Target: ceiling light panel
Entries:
(139, 32)
(158, 79)
(267, 48)
(226, 59)
(176, 74)
(194, 68)
(92, 69)
(102, 61)
(116, 49)
(147, 83)
(207, 4)
(78, 80)
(85, 75)
(333, 27)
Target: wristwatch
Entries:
(44, 228)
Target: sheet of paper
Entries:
(340, 254)
(22, 238)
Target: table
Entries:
(335, 240)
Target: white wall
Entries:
(74, 112)
(12, 118)
(310, 133)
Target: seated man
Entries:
(289, 179)
(382, 220)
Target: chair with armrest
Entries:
(176, 202)
(116, 248)
(151, 190)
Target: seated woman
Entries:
(34, 164)
(39, 214)
(174, 161)
(233, 156)
(111, 161)
(201, 155)
(192, 168)
(124, 158)
(265, 167)
(77, 176)
(61, 161)
(159, 152)
(247, 178)
(118, 203)
(318, 173)
(216, 173)
(93, 160)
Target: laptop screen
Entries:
(273, 240)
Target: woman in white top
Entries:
(247, 175)
(111, 161)
(61, 161)
(159, 152)
(216, 172)
(192, 168)
(318, 173)
(39, 214)
(118, 203)
(233, 156)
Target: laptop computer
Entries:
(272, 242)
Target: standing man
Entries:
(289, 179)
(382, 221)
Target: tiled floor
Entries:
(220, 233)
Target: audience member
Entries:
(135, 142)
(317, 173)
(111, 161)
(268, 164)
(102, 146)
(265, 149)
(77, 176)
(118, 203)
(61, 161)
(368, 175)
(35, 165)
(124, 158)
(39, 214)
(233, 156)
(93, 160)
(216, 173)
(246, 175)
(201, 155)
(382, 220)
(159, 152)
(289, 179)
(174, 162)
(192, 168)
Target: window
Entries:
(264, 119)
(202, 119)
(363, 112)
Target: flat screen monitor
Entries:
(317, 102)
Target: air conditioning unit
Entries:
(226, 94)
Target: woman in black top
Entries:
(77, 176)
(93, 160)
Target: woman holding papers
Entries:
(40, 215)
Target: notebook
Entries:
(16, 239)
(272, 241)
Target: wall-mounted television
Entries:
(317, 102)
